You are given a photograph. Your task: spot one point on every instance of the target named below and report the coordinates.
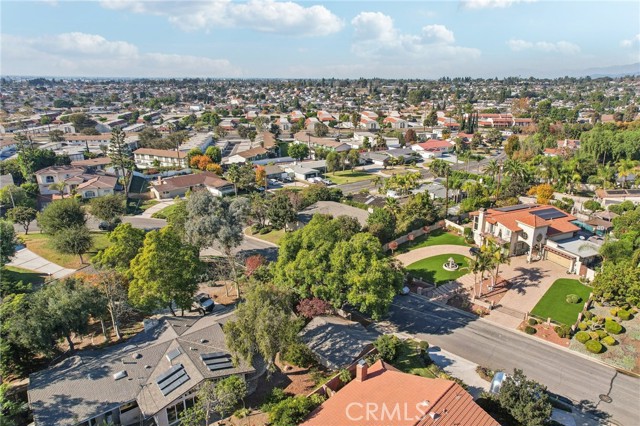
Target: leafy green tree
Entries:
(387, 346)
(113, 285)
(382, 224)
(10, 407)
(234, 176)
(15, 196)
(177, 216)
(76, 240)
(298, 151)
(353, 157)
(264, 324)
(23, 216)
(526, 400)
(618, 283)
(229, 392)
(320, 130)
(121, 157)
(214, 153)
(8, 241)
(109, 208)
(431, 119)
(592, 205)
(125, 243)
(293, 410)
(31, 158)
(165, 271)
(280, 211)
(60, 215)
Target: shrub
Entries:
(601, 333)
(299, 355)
(594, 335)
(265, 230)
(563, 330)
(241, 413)
(582, 336)
(588, 314)
(593, 346)
(609, 341)
(573, 299)
(533, 321)
(423, 345)
(614, 311)
(387, 347)
(612, 327)
(529, 330)
(623, 314)
(582, 326)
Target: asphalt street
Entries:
(564, 372)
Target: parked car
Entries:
(496, 382)
(204, 303)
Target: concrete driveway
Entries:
(26, 259)
(423, 252)
(155, 208)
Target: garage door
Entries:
(556, 258)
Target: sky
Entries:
(314, 39)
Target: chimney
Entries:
(361, 371)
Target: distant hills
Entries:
(612, 71)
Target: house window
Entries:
(49, 179)
(89, 194)
(173, 413)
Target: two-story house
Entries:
(148, 157)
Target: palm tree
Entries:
(59, 187)
(626, 168)
(392, 205)
(500, 254)
(377, 181)
(233, 175)
(493, 168)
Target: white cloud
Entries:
(544, 46)
(631, 42)
(91, 55)
(260, 15)
(375, 35)
(487, 4)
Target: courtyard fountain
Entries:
(450, 265)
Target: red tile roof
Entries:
(511, 219)
(400, 399)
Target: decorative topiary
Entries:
(594, 335)
(582, 336)
(612, 327)
(614, 311)
(588, 314)
(601, 334)
(562, 331)
(609, 341)
(582, 326)
(593, 346)
(623, 314)
(573, 299)
(529, 330)
(532, 321)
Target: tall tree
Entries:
(299, 151)
(525, 399)
(281, 211)
(76, 240)
(164, 272)
(23, 216)
(109, 208)
(121, 156)
(233, 175)
(125, 243)
(113, 286)
(8, 242)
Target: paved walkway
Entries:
(423, 252)
(459, 368)
(26, 259)
(156, 208)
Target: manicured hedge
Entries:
(573, 299)
(623, 314)
(582, 336)
(593, 346)
(612, 327)
(529, 330)
(609, 341)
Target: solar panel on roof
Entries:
(550, 213)
(217, 361)
(217, 367)
(213, 355)
(171, 379)
(513, 208)
(633, 191)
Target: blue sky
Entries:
(303, 39)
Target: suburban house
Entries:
(284, 124)
(608, 197)
(334, 209)
(432, 148)
(402, 399)
(149, 380)
(310, 123)
(543, 230)
(148, 157)
(94, 164)
(178, 186)
(337, 342)
(368, 123)
(564, 148)
(314, 142)
(295, 116)
(249, 155)
(324, 116)
(75, 179)
(396, 122)
(273, 171)
(300, 172)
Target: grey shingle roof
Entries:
(83, 386)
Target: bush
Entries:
(532, 321)
(614, 311)
(624, 315)
(265, 230)
(582, 336)
(582, 326)
(387, 347)
(241, 413)
(588, 314)
(612, 327)
(529, 330)
(594, 335)
(573, 299)
(601, 334)
(563, 330)
(609, 341)
(256, 228)
(299, 355)
(593, 346)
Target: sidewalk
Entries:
(460, 368)
(26, 259)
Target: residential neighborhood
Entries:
(188, 243)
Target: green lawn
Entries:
(553, 304)
(348, 176)
(135, 206)
(273, 237)
(431, 270)
(41, 244)
(435, 238)
(410, 361)
(18, 274)
(166, 212)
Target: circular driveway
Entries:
(423, 252)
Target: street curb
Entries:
(470, 315)
(251, 237)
